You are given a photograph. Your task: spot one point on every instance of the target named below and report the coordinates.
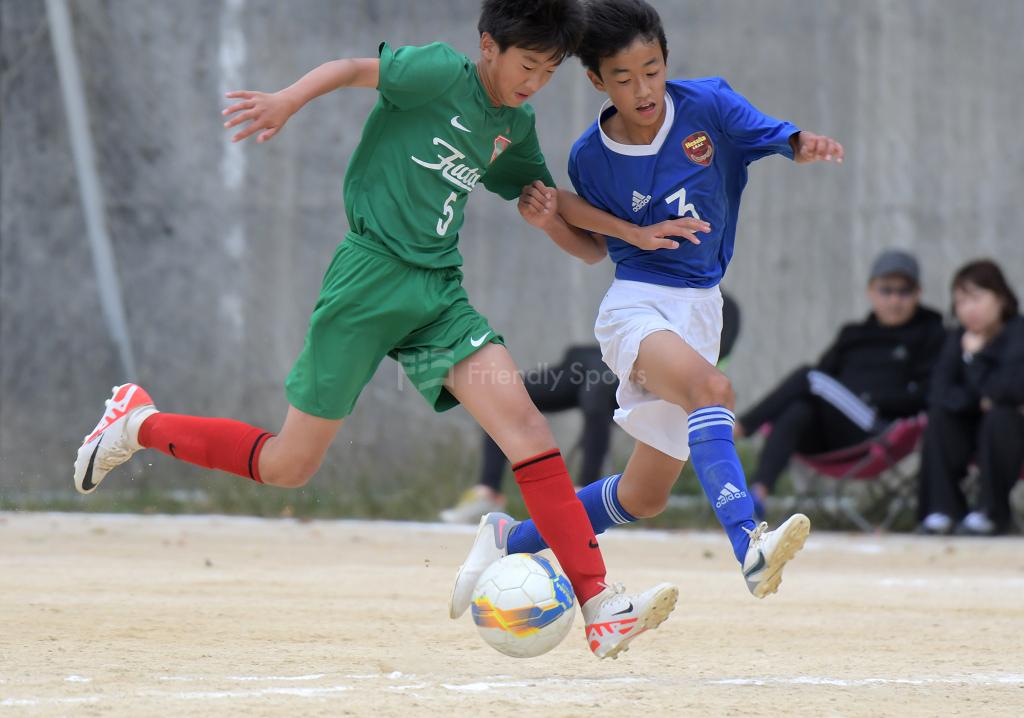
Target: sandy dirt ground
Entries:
(155, 616)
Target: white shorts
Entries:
(630, 312)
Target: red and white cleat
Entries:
(115, 438)
(614, 618)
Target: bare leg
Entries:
(488, 385)
(292, 457)
(673, 370)
(647, 481)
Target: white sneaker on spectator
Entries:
(937, 523)
(978, 523)
(472, 505)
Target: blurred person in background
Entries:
(976, 408)
(580, 381)
(876, 371)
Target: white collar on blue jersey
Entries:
(639, 150)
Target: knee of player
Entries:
(718, 391)
(534, 427)
(295, 476)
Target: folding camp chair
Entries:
(876, 462)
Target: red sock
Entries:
(224, 444)
(562, 521)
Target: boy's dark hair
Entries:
(613, 25)
(986, 274)
(549, 26)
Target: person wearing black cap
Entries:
(875, 371)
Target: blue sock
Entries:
(600, 499)
(721, 474)
(759, 507)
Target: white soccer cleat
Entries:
(490, 544)
(614, 618)
(115, 438)
(769, 551)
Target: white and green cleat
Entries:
(770, 551)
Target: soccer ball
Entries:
(522, 606)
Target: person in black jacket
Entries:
(975, 407)
(874, 372)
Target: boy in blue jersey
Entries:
(663, 150)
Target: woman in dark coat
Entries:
(976, 408)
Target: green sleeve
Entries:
(517, 166)
(412, 76)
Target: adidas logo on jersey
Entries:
(727, 494)
(640, 201)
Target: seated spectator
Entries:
(580, 381)
(876, 371)
(975, 408)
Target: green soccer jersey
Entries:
(431, 138)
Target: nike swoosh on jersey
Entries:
(457, 125)
(480, 341)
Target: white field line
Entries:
(834, 541)
(965, 680)
(571, 688)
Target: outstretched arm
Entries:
(809, 147)
(577, 212)
(579, 228)
(267, 113)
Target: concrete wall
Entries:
(221, 248)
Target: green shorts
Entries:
(372, 305)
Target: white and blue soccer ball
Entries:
(523, 606)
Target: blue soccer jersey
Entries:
(696, 166)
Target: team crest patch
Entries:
(699, 149)
(501, 144)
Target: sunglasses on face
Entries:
(902, 290)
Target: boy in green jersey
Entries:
(442, 124)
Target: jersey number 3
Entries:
(685, 208)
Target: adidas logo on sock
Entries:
(727, 494)
(640, 201)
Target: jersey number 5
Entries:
(448, 216)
